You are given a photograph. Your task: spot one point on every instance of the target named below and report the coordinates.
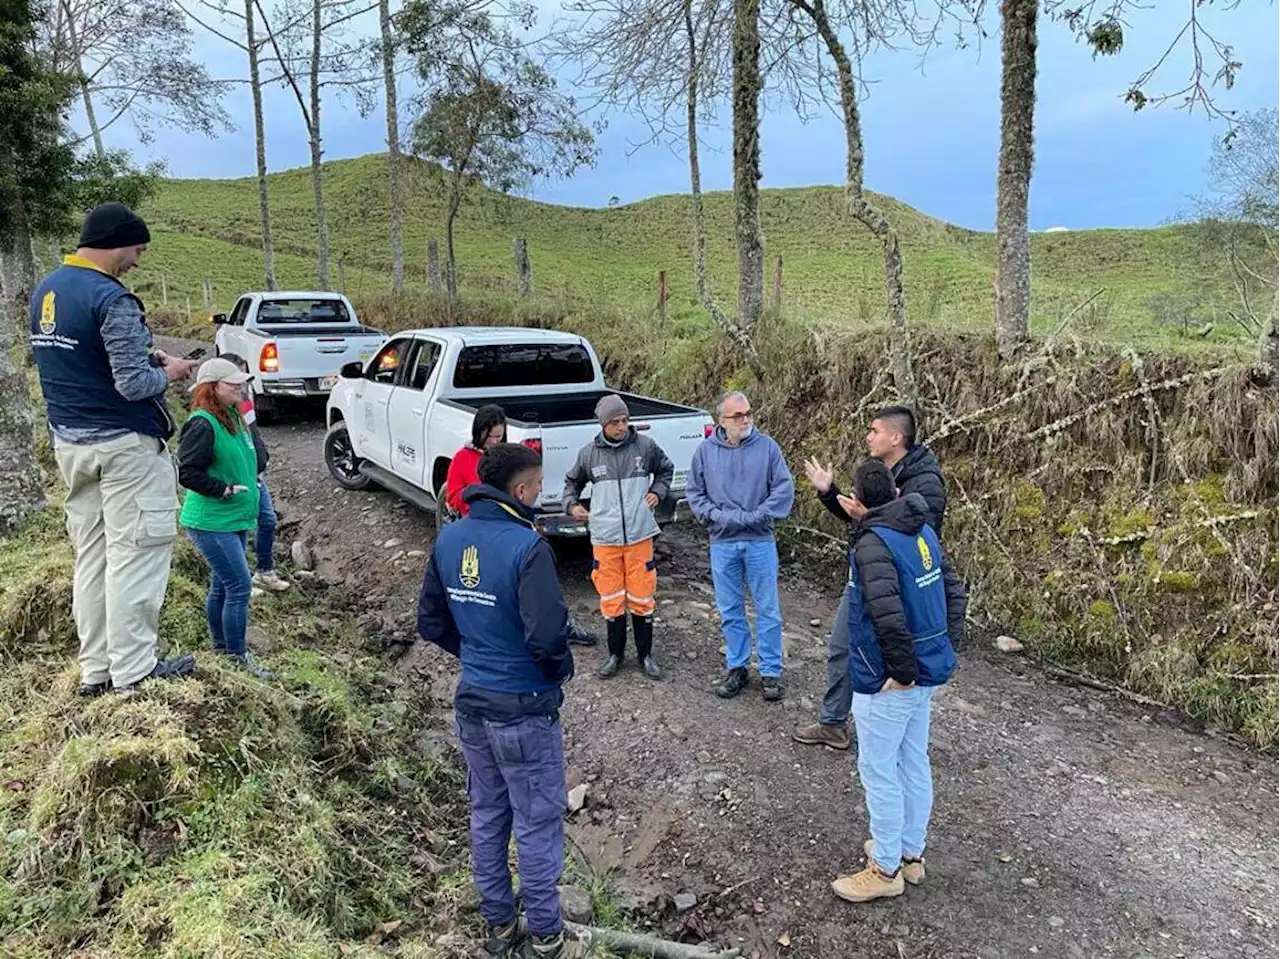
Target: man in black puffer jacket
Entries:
(892, 440)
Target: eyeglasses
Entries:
(737, 417)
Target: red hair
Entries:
(205, 397)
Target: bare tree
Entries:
(1013, 179)
(395, 163)
(136, 58)
(312, 47)
(747, 86)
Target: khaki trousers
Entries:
(122, 518)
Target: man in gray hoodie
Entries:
(738, 487)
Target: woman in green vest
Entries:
(218, 467)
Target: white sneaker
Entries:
(272, 581)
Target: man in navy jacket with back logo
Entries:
(906, 608)
(491, 597)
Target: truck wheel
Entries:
(265, 408)
(340, 457)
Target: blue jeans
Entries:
(264, 540)
(893, 763)
(735, 569)
(230, 585)
(515, 777)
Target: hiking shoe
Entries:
(579, 636)
(651, 669)
(560, 946)
(772, 688)
(271, 580)
(504, 941)
(869, 884)
(250, 665)
(821, 734)
(174, 668)
(609, 667)
(733, 682)
(912, 869)
(90, 690)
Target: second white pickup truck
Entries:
(294, 342)
(398, 420)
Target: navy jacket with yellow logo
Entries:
(491, 597)
(906, 604)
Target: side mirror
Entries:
(219, 319)
(351, 371)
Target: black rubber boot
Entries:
(642, 629)
(616, 637)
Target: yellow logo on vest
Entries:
(48, 314)
(470, 571)
(925, 556)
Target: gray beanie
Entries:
(609, 407)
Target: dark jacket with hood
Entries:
(621, 476)
(917, 472)
(906, 604)
(491, 597)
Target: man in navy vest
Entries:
(104, 389)
(906, 608)
(491, 597)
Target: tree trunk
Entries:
(746, 162)
(731, 329)
(395, 186)
(863, 210)
(450, 258)
(433, 265)
(21, 489)
(317, 168)
(260, 143)
(1013, 182)
(83, 81)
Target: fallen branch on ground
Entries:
(649, 946)
(1083, 679)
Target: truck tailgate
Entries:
(323, 355)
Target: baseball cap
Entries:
(219, 370)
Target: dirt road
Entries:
(1067, 822)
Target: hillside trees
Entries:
(135, 58)
(491, 114)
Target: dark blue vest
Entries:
(67, 312)
(479, 559)
(924, 603)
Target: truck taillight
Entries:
(707, 430)
(535, 445)
(269, 360)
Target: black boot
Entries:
(642, 629)
(579, 636)
(616, 637)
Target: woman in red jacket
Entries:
(489, 428)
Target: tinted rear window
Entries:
(520, 364)
(303, 311)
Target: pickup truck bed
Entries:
(566, 408)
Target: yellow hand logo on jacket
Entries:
(470, 571)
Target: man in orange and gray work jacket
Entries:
(629, 476)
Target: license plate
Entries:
(680, 479)
(328, 383)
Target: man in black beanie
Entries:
(104, 391)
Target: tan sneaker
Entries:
(912, 870)
(869, 884)
(820, 734)
(271, 580)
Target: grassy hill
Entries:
(208, 229)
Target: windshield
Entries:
(523, 364)
(303, 311)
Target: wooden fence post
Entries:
(433, 265)
(208, 293)
(662, 298)
(164, 289)
(777, 284)
(342, 272)
(524, 272)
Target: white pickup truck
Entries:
(294, 342)
(398, 420)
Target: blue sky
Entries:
(931, 132)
